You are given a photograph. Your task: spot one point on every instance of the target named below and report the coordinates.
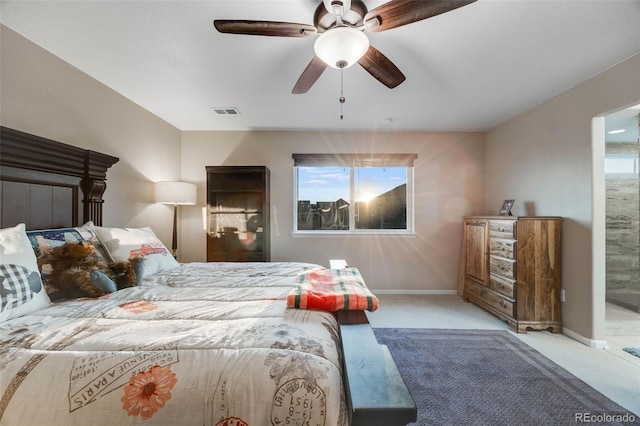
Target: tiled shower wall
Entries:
(623, 231)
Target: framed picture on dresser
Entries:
(505, 210)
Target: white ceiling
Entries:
(469, 69)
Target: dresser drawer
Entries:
(499, 303)
(502, 266)
(502, 247)
(474, 289)
(489, 297)
(502, 228)
(502, 285)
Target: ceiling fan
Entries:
(341, 42)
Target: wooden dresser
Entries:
(512, 268)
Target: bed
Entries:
(200, 343)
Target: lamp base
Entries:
(174, 242)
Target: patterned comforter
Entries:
(205, 344)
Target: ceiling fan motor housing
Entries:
(325, 17)
(337, 7)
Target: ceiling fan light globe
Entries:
(341, 45)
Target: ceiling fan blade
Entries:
(263, 28)
(397, 13)
(309, 76)
(381, 68)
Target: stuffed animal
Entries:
(77, 271)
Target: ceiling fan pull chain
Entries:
(342, 99)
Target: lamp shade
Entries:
(341, 47)
(177, 193)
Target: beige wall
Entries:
(448, 185)
(45, 96)
(544, 159)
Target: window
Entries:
(353, 193)
(621, 164)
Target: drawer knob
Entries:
(501, 229)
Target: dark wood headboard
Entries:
(49, 184)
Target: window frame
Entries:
(353, 162)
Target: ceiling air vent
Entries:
(226, 110)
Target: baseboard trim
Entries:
(416, 292)
(592, 343)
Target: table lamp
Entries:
(178, 194)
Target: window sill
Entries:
(371, 233)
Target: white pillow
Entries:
(21, 290)
(88, 233)
(125, 243)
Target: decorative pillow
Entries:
(88, 234)
(125, 243)
(43, 242)
(21, 290)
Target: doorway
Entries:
(622, 206)
(622, 186)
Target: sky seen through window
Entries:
(332, 183)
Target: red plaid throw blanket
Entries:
(332, 290)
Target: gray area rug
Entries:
(488, 377)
